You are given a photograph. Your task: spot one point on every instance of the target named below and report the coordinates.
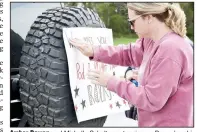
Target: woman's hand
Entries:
(86, 49)
(99, 78)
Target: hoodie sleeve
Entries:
(161, 83)
(124, 55)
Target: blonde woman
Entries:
(164, 97)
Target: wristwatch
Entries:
(132, 80)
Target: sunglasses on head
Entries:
(131, 22)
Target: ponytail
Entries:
(176, 20)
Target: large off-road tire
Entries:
(44, 76)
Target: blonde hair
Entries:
(171, 14)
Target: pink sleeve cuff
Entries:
(95, 56)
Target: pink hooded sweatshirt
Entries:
(165, 95)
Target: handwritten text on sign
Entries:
(90, 100)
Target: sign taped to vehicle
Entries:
(90, 100)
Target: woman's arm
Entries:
(124, 55)
(158, 88)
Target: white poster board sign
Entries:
(90, 100)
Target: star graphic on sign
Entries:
(111, 106)
(76, 92)
(117, 104)
(124, 102)
(76, 108)
(128, 103)
(83, 103)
